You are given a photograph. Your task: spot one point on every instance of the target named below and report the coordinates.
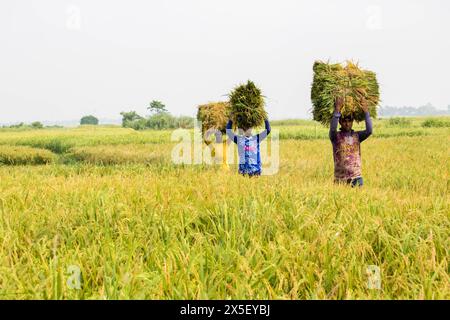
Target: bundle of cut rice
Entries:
(247, 106)
(213, 116)
(350, 82)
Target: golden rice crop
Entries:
(198, 232)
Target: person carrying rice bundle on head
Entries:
(247, 105)
(213, 117)
(342, 94)
(249, 148)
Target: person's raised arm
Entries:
(266, 132)
(363, 135)
(230, 132)
(335, 120)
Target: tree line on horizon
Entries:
(160, 117)
(426, 110)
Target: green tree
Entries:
(37, 125)
(89, 120)
(19, 125)
(129, 117)
(184, 122)
(161, 120)
(140, 124)
(157, 107)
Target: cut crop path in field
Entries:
(118, 154)
(22, 155)
(61, 140)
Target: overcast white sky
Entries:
(60, 60)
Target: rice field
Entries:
(109, 216)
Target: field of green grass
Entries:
(108, 202)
